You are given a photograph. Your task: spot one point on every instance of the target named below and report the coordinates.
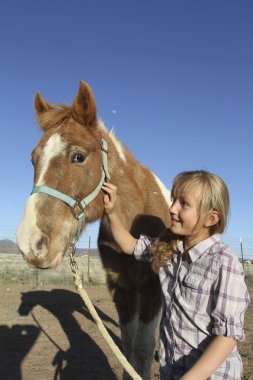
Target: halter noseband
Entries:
(77, 207)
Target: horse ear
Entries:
(41, 106)
(41, 109)
(84, 105)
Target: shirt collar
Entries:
(198, 250)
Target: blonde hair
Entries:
(214, 196)
(163, 249)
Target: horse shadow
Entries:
(83, 358)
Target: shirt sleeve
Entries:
(142, 248)
(231, 299)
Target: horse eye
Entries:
(78, 157)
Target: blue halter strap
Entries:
(77, 207)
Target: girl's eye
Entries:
(78, 157)
(184, 203)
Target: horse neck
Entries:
(139, 191)
(121, 163)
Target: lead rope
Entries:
(79, 287)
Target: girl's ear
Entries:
(212, 219)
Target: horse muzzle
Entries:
(37, 250)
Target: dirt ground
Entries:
(47, 334)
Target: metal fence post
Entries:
(242, 252)
(89, 279)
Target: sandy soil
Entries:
(47, 334)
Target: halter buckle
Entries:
(77, 210)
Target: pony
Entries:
(71, 161)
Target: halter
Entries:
(77, 207)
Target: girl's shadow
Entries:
(84, 359)
(15, 343)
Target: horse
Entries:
(73, 158)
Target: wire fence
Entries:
(242, 246)
(86, 241)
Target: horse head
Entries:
(68, 168)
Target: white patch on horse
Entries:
(165, 192)
(54, 146)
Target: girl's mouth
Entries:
(173, 220)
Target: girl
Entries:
(203, 288)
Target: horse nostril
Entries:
(41, 243)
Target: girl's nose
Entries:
(173, 208)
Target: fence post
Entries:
(36, 278)
(242, 252)
(89, 279)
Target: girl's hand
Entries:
(110, 197)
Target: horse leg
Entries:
(144, 346)
(145, 336)
(139, 315)
(126, 303)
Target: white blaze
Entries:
(28, 232)
(54, 146)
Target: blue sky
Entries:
(173, 78)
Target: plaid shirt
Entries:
(203, 296)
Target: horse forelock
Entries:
(54, 116)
